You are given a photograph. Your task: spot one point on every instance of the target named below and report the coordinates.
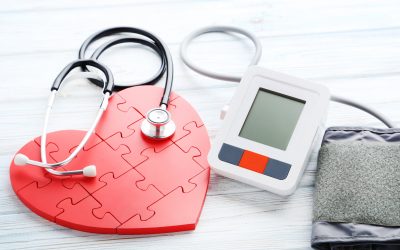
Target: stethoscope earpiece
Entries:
(89, 171)
(21, 160)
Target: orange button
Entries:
(254, 162)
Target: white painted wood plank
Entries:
(269, 18)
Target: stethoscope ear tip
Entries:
(21, 160)
(89, 171)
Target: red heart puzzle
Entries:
(142, 186)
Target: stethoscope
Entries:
(158, 124)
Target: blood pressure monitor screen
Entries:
(272, 119)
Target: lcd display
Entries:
(272, 119)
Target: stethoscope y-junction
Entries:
(158, 124)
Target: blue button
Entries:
(277, 169)
(230, 154)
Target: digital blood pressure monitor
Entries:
(269, 131)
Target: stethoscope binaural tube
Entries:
(88, 171)
(121, 40)
(165, 54)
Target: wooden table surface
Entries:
(351, 46)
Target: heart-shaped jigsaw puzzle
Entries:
(142, 186)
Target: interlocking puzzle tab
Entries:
(186, 218)
(180, 109)
(115, 120)
(141, 186)
(44, 200)
(193, 138)
(140, 99)
(61, 148)
(105, 159)
(22, 177)
(131, 200)
(79, 216)
(167, 173)
(136, 143)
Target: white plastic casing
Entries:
(301, 144)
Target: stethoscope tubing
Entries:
(116, 41)
(109, 81)
(166, 55)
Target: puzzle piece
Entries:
(50, 148)
(136, 143)
(195, 140)
(179, 109)
(140, 99)
(104, 158)
(79, 216)
(22, 176)
(60, 149)
(121, 197)
(114, 120)
(177, 211)
(169, 169)
(44, 200)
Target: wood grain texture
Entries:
(351, 46)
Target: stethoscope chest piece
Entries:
(158, 124)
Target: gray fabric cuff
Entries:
(357, 186)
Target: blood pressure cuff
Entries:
(357, 193)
